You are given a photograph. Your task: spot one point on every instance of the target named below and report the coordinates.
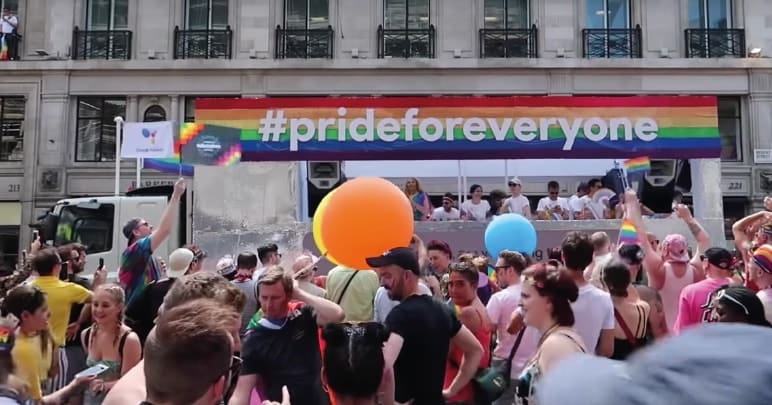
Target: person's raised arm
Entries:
(702, 237)
(741, 230)
(326, 311)
(652, 261)
(159, 235)
(470, 361)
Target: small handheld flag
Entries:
(628, 233)
(638, 165)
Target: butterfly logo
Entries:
(149, 134)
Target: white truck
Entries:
(97, 223)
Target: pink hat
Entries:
(676, 247)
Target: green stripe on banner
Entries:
(554, 133)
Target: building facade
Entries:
(82, 62)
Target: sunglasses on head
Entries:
(721, 294)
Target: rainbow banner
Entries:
(628, 233)
(208, 149)
(407, 128)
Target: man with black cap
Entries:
(694, 299)
(138, 266)
(421, 332)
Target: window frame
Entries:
(209, 24)
(158, 108)
(99, 152)
(307, 25)
(111, 23)
(629, 19)
(705, 21)
(407, 26)
(506, 15)
(738, 125)
(20, 122)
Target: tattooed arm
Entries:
(21, 274)
(657, 316)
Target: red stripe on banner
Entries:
(460, 102)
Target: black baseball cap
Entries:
(719, 257)
(401, 256)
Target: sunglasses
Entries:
(233, 377)
(723, 295)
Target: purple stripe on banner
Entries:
(469, 154)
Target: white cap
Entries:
(225, 266)
(516, 180)
(179, 262)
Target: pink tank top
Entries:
(671, 292)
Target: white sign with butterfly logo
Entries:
(148, 140)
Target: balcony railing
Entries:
(509, 43)
(406, 43)
(203, 44)
(612, 42)
(715, 43)
(304, 43)
(108, 44)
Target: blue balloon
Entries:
(510, 232)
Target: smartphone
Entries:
(101, 263)
(64, 274)
(35, 235)
(93, 371)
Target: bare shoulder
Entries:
(648, 294)
(130, 389)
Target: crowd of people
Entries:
(644, 323)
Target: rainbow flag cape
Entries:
(638, 165)
(492, 273)
(628, 233)
(3, 48)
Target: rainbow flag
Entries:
(492, 273)
(347, 128)
(638, 165)
(628, 233)
(3, 48)
(229, 155)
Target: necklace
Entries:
(547, 333)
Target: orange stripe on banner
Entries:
(683, 113)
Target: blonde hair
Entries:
(276, 274)
(420, 248)
(117, 295)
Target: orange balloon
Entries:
(365, 217)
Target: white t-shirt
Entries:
(476, 212)
(766, 299)
(546, 204)
(577, 204)
(500, 308)
(593, 313)
(440, 214)
(6, 27)
(518, 205)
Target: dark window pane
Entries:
(730, 128)
(89, 107)
(154, 113)
(12, 129)
(89, 131)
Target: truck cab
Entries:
(97, 223)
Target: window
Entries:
(506, 14)
(12, 5)
(12, 128)
(95, 139)
(91, 226)
(306, 14)
(206, 14)
(406, 31)
(9, 249)
(107, 15)
(730, 128)
(190, 106)
(710, 14)
(608, 14)
(405, 14)
(154, 113)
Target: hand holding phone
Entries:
(101, 263)
(93, 371)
